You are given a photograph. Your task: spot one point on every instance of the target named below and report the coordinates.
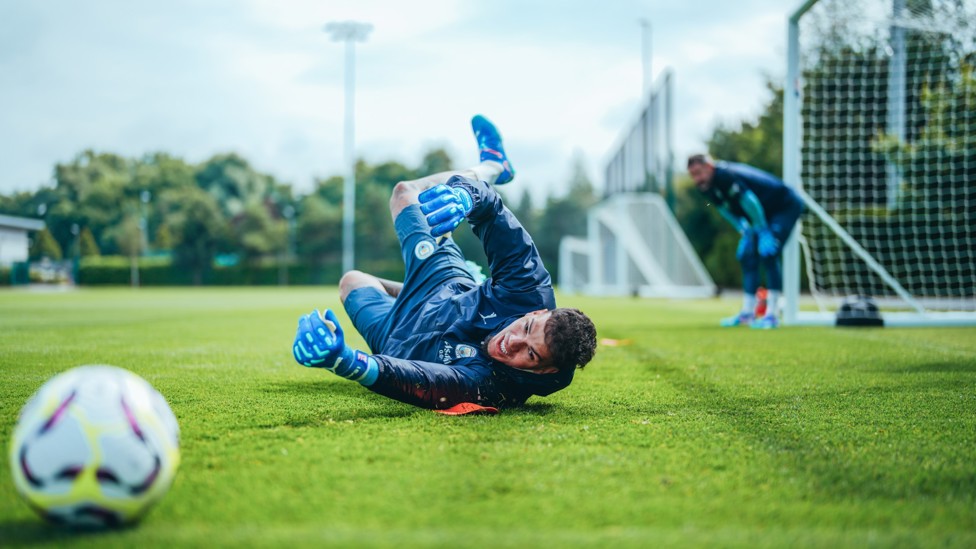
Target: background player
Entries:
(439, 338)
(764, 210)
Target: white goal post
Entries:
(880, 140)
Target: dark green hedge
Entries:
(16, 274)
(110, 270)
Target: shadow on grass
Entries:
(934, 367)
(352, 402)
(302, 388)
(33, 531)
(348, 402)
(534, 409)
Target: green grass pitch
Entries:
(691, 436)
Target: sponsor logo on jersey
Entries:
(446, 353)
(484, 318)
(423, 249)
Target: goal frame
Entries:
(916, 313)
(624, 255)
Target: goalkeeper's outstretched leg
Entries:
(494, 168)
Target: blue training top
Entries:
(731, 179)
(433, 356)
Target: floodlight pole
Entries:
(646, 56)
(646, 95)
(349, 32)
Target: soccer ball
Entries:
(95, 446)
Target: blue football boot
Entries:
(490, 147)
(741, 319)
(768, 322)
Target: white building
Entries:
(13, 237)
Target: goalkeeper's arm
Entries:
(320, 343)
(768, 244)
(754, 211)
(741, 225)
(434, 386)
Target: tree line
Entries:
(224, 210)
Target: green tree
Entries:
(160, 172)
(435, 161)
(377, 248)
(757, 142)
(564, 216)
(525, 212)
(152, 176)
(27, 204)
(318, 235)
(91, 191)
(330, 190)
(87, 246)
(127, 239)
(44, 245)
(199, 230)
(233, 183)
(256, 234)
(164, 237)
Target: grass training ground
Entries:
(690, 435)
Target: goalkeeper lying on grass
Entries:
(441, 339)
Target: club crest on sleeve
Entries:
(464, 351)
(423, 249)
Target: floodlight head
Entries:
(348, 31)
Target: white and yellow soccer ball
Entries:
(95, 446)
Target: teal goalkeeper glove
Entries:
(445, 207)
(768, 244)
(320, 343)
(747, 244)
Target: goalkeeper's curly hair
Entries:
(571, 338)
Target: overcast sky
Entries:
(195, 78)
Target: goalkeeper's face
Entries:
(702, 174)
(522, 344)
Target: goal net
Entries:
(880, 136)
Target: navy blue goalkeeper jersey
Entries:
(731, 179)
(433, 355)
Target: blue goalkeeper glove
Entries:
(746, 244)
(445, 207)
(320, 343)
(768, 244)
